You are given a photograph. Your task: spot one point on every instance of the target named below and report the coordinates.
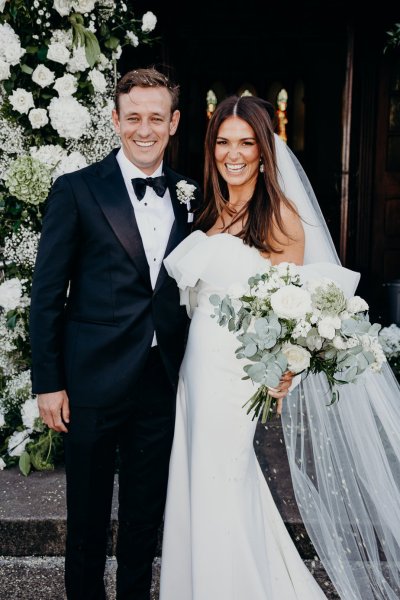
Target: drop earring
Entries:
(261, 167)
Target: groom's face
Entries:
(144, 123)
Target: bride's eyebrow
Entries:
(246, 139)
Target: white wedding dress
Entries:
(224, 538)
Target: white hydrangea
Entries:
(69, 163)
(83, 6)
(48, 154)
(63, 7)
(356, 305)
(38, 117)
(17, 442)
(11, 293)
(68, 117)
(58, 53)
(10, 45)
(66, 85)
(78, 61)
(149, 21)
(132, 38)
(21, 101)
(4, 70)
(43, 76)
(30, 413)
(98, 81)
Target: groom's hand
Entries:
(54, 410)
(281, 391)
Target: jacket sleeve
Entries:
(54, 265)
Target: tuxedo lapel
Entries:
(112, 196)
(180, 228)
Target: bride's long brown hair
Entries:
(264, 206)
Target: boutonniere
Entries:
(185, 192)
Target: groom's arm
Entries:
(54, 264)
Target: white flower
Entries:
(29, 413)
(98, 81)
(63, 7)
(48, 154)
(291, 302)
(68, 117)
(117, 52)
(21, 100)
(17, 442)
(83, 6)
(58, 53)
(66, 85)
(149, 21)
(2, 464)
(4, 70)
(132, 38)
(314, 341)
(70, 163)
(2, 5)
(2, 419)
(298, 358)
(10, 45)
(356, 304)
(43, 76)
(38, 117)
(185, 192)
(78, 61)
(327, 327)
(339, 343)
(63, 37)
(103, 63)
(10, 294)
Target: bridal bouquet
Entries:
(283, 324)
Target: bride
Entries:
(224, 538)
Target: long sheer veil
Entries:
(344, 459)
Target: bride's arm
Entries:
(291, 242)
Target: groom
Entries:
(107, 337)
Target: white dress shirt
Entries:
(154, 217)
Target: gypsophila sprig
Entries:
(185, 192)
(58, 71)
(285, 324)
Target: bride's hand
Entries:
(281, 392)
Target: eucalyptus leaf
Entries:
(26, 69)
(25, 463)
(215, 299)
(271, 379)
(256, 372)
(250, 349)
(92, 48)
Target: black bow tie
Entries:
(159, 185)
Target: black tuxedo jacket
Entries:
(93, 310)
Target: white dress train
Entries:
(224, 538)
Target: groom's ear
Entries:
(173, 125)
(115, 120)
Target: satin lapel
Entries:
(180, 227)
(112, 196)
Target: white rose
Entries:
(2, 419)
(10, 294)
(4, 70)
(356, 304)
(66, 85)
(149, 21)
(58, 53)
(291, 302)
(132, 38)
(12, 52)
(29, 413)
(98, 81)
(63, 7)
(68, 117)
(38, 117)
(298, 358)
(2, 464)
(17, 442)
(21, 100)
(327, 327)
(83, 6)
(43, 76)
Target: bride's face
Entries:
(237, 153)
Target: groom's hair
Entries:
(149, 77)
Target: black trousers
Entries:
(142, 430)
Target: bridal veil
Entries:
(344, 458)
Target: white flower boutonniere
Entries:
(185, 192)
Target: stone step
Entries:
(42, 578)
